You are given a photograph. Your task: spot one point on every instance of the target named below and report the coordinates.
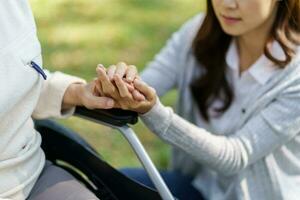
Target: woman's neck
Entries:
(250, 48)
(251, 45)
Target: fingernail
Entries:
(110, 103)
(138, 82)
(100, 65)
(100, 68)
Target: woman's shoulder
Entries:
(192, 25)
(290, 74)
(295, 62)
(297, 52)
(184, 37)
(196, 19)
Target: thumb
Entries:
(146, 90)
(96, 102)
(138, 96)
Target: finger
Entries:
(121, 69)
(123, 91)
(131, 73)
(138, 96)
(129, 86)
(96, 93)
(111, 71)
(101, 66)
(146, 90)
(95, 89)
(107, 87)
(99, 88)
(98, 68)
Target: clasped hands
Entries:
(122, 83)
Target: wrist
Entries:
(148, 108)
(72, 96)
(156, 107)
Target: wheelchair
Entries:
(68, 150)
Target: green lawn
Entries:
(76, 35)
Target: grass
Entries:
(76, 35)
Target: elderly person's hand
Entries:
(128, 91)
(87, 95)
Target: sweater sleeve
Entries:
(162, 73)
(51, 96)
(272, 127)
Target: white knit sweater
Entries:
(24, 95)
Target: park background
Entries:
(76, 35)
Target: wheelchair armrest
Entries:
(116, 117)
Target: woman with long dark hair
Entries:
(236, 131)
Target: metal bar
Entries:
(146, 162)
(143, 156)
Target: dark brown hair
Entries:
(211, 44)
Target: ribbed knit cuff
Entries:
(63, 81)
(50, 102)
(158, 118)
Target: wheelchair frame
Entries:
(68, 150)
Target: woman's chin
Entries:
(233, 31)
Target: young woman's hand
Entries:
(129, 73)
(117, 88)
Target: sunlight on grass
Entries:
(76, 35)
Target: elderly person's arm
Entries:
(61, 93)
